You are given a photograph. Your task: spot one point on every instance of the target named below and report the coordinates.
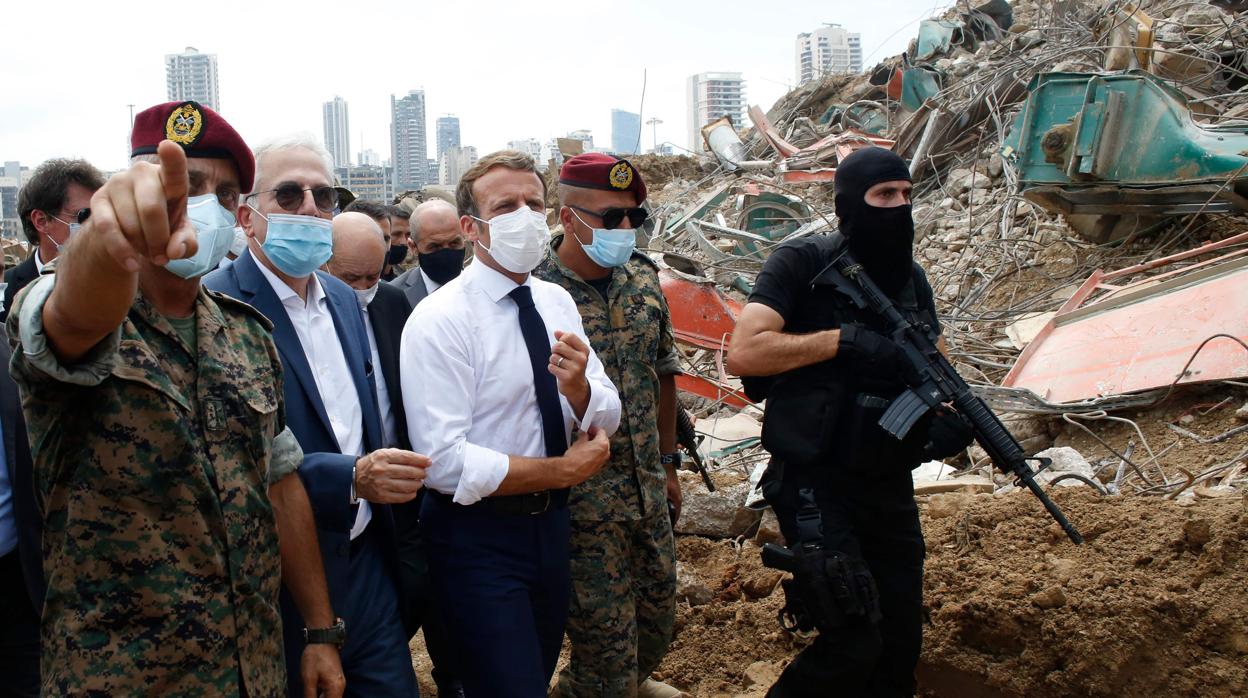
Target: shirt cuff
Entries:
(484, 470)
(92, 370)
(285, 456)
(597, 400)
(669, 365)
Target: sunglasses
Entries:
(613, 217)
(290, 196)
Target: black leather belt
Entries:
(531, 503)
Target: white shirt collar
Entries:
(430, 284)
(492, 283)
(38, 262)
(285, 293)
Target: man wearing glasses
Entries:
(162, 464)
(331, 406)
(623, 605)
(49, 204)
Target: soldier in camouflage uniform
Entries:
(623, 552)
(161, 461)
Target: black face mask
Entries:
(396, 255)
(882, 239)
(443, 265)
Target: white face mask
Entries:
(366, 296)
(518, 240)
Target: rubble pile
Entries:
(1056, 193)
(1001, 263)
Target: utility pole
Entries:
(654, 124)
(131, 116)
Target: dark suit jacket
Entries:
(413, 286)
(387, 314)
(21, 479)
(17, 278)
(326, 472)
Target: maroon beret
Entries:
(601, 171)
(200, 131)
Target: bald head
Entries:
(435, 226)
(359, 250)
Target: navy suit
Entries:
(359, 572)
(21, 580)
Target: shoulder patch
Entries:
(232, 303)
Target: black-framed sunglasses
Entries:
(290, 196)
(613, 217)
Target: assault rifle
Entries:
(936, 382)
(687, 437)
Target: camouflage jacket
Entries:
(631, 331)
(151, 468)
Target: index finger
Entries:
(173, 172)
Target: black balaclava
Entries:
(881, 238)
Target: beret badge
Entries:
(185, 124)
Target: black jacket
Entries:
(17, 278)
(387, 314)
(21, 479)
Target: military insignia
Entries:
(214, 414)
(621, 176)
(185, 124)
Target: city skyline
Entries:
(536, 93)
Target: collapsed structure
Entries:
(1081, 208)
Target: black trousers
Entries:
(876, 520)
(502, 585)
(19, 632)
(421, 612)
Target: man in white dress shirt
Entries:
(495, 377)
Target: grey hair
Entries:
(301, 139)
(414, 221)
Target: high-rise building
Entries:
(625, 132)
(367, 182)
(192, 75)
(337, 130)
(712, 95)
(408, 144)
(448, 134)
(828, 50)
(454, 163)
(368, 156)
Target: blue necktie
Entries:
(544, 386)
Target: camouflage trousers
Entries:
(623, 606)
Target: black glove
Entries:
(870, 350)
(948, 435)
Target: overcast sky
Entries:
(508, 70)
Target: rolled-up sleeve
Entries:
(668, 360)
(286, 455)
(96, 366)
(438, 395)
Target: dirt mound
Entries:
(1156, 602)
(1153, 604)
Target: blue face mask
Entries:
(214, 228)
(297, 245)
(610, 248)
